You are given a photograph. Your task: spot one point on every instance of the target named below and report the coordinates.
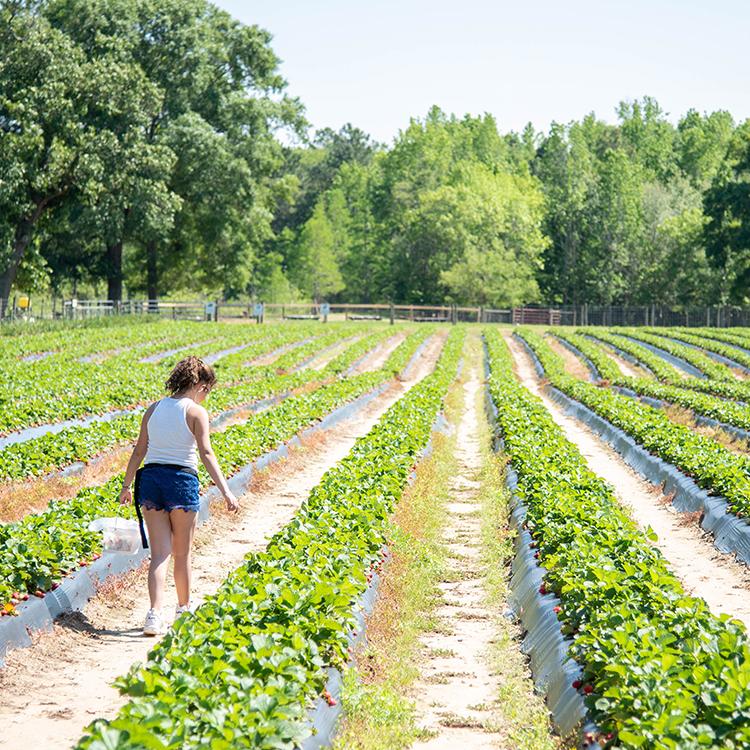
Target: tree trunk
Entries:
(152, 276)
(21, 240)
(114, 271)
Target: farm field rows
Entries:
(621, 642)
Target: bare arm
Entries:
(136, 457)
(200, 428)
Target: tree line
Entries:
(140, 148)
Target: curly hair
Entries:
(189, 372)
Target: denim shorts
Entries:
(168, 488)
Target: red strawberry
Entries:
(557, 610)
(542, 589)
(576, 684)
(588, 689)
(25, 596)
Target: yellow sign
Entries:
(23, 302)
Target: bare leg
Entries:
(183, 526)
(160, 543)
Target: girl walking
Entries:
(174, 433)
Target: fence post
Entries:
(216, 311)
(392, 313)
(480, 315)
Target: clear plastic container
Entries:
(120, 534)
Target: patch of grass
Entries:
(378, 714)
(455, 721)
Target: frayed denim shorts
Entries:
(168, 487)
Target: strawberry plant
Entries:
(62, 387)
(38, 550)
(659, 669)
(38, 455)
(711, 368)
(243, 670)
(736, 389)
(712, 345)
(713, 467)
(723, 410)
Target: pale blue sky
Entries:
(376, 64)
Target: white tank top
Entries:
(169, 438)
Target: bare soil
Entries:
(64, 681)
(720, 580)
(378, 356)
(329, 354)
(18, 498)
(573, 365)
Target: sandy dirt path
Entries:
(378, 356)
(269, 358)
(63, 682)
(627, 368)
(458, 688)
(704, 571)
(328, 354)
(574, 365)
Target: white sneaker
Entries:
(189, 607)
(153, 624)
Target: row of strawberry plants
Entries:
(709, 367)
(124, 381)
(41, 548)
(737, 336)
(737, 390)
(68, 389)
(52, 451)
(365, 337)
(242, 671)
(697, 338)
(86, 339)
(659, 669)
(66, 363)
(71, 391)
(728, 412)
(712, 466)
